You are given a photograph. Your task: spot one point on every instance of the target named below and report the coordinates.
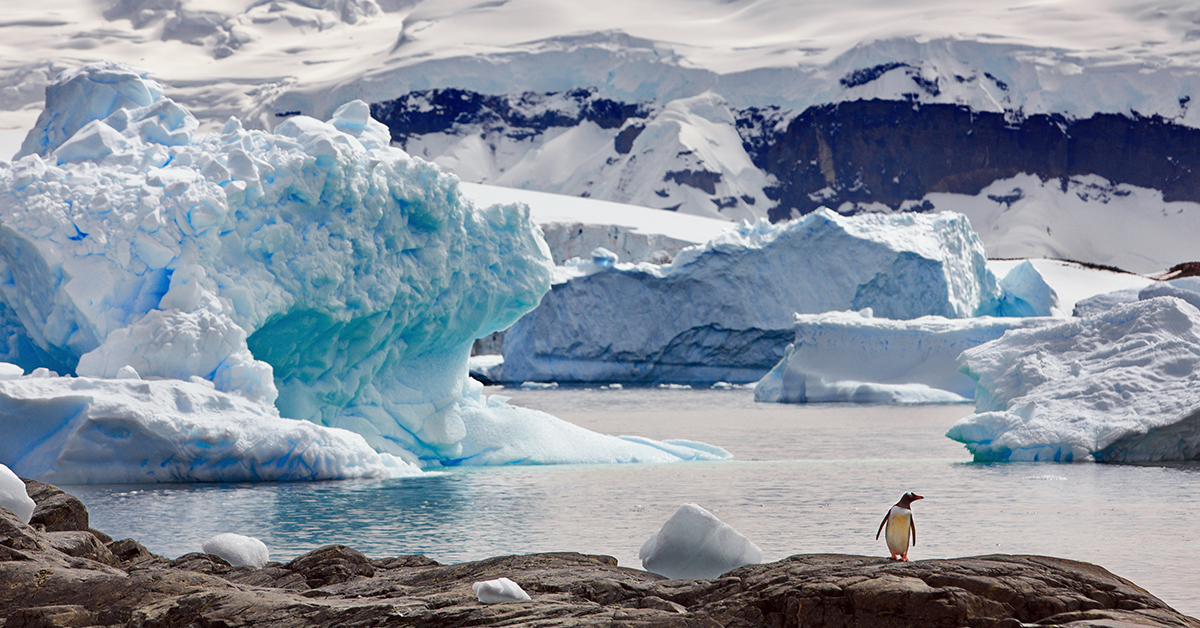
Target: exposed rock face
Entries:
(892, 152)
(121, 584)
(886, 151)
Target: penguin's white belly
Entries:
(897, 534)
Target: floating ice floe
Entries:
(693, 543)
(853, 356)
(315, 270)
(498, 591)
(14, 496)
(238, 550)
(1119, 386)
(723, 311)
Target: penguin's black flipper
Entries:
(882, 523)
(912, 525)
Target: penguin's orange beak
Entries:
(916, 497)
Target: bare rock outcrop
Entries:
(77, 578)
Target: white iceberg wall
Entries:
(1119, 386)
(855, 357)
(723, 311)
(315, 261)
(693, 543)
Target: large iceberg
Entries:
(1119, 386)
(723, 311)
(856, 357)
(314, 268)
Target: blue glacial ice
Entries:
(723, 311)
(1122, 385)
(314, 273)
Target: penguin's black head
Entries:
(908, 499)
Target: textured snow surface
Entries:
(13, 495)
(499, 590)
(238, 550)
(687, 155)
(81, 430)
(314, 267)
(1084, 218)
(693, 543)
(855, 357)
(254, 60)
(1119, 386)
(723, 311)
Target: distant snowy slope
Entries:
(724, 109)
(574, 226)
(238, 56)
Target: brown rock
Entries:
(69, 578)
(55, 510)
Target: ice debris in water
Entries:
(693, 543)
(238, 550)
(13, 495)
(1122, 385)
(314, 272)
(499, 590)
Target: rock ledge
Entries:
(64, 574)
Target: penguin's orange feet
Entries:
(904, 557)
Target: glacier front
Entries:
(1122, 385)
(723, 311)
(314, 269)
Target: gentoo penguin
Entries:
(900, 525)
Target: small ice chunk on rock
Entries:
(13, 495)
(499, 590)
(237, 550)
(693, 543)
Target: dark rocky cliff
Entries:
(881, 151)
(892, 152)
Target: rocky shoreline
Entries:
(56, 571)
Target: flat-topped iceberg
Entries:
(856, 357)
(1119, 386)
(722, 311)
(314, 268)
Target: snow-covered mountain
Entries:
(724, 109)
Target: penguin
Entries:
(900, 525)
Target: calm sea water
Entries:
(814, 478)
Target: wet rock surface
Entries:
(75, 578)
